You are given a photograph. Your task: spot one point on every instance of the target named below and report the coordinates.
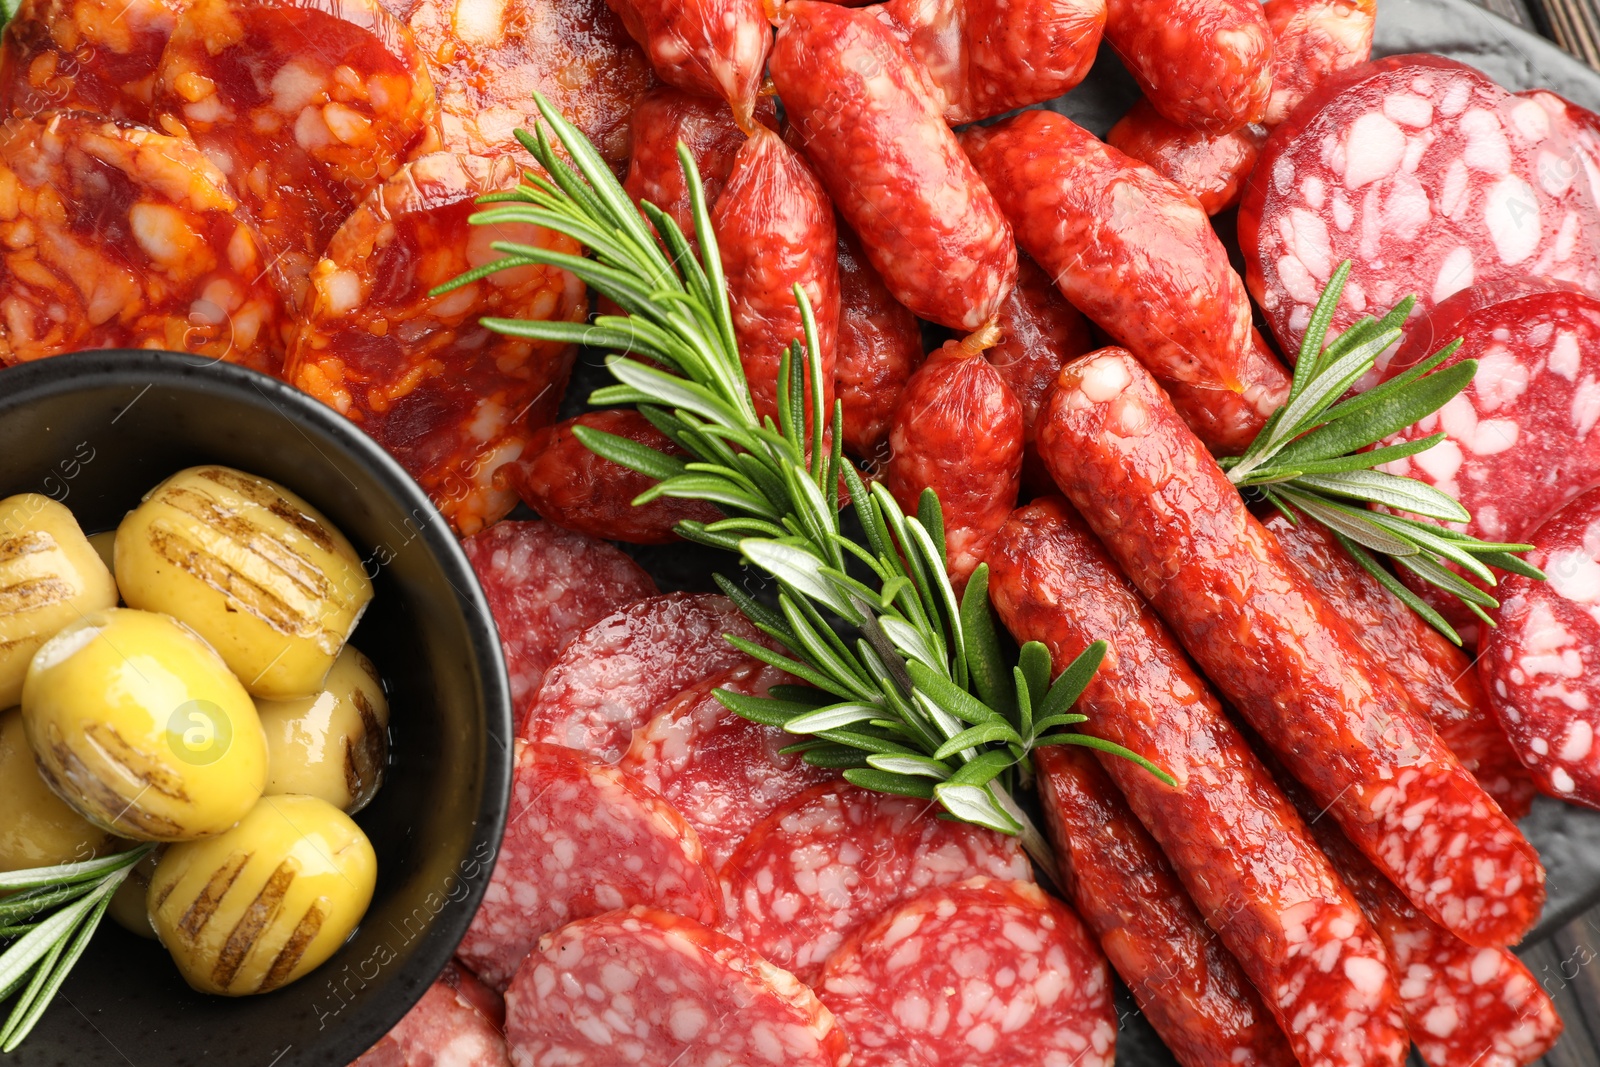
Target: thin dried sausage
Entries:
(707, 47)
(1228, 421)
(1205, 64)
(1311, 41)
(1213, 167)
(879, 348)
(84, 55)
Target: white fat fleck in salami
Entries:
(982, 973)
(581, 838)
(646, 987)
(1431, 179)
(838, 856)
(446, 1028)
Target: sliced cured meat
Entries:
(774, 226)
(722, 772)
(452, 400)
(1212, 167)
(445, 1027)
(488, 59)
(987, 57)
(1312, 40)
(618, 672)
(582, 838)
(1430, 178)
(563, 481)
(643, 986)
(1280, 653)
(84, 55)
(485, 1001)
(303, 134)
(838, 856)
(1438, 676)
(933, 445)
(1232, 838)
(1539, 664)
(981, 973)
(706, 47)
(1229, 421)
(878, 139)
(120, 237)
(1187, 985)
(879, 347)
(1205, 64)
(544, 586)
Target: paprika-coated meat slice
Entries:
(614, 676)
(1205, 64)
(1539, 665)
(707, 47)
(878, 349)
(1439, 678)
(723, 773)
(836, 857)
(926, 221)
(581, 838)
(303, 134)
(445, 1028)
(983, 973)
(1429, 178)
(644, 986)
(563, 481)
(1187, 985)
(1280, 654)
(85, 55)
(545, 585)
(1311, 41)
(958, 430)
(116, 236)
(488, 58)
(449, 398)
(987, 57)
(1231, 836)
(1211, 166)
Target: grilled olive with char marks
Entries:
(37, 828)
(334, 745)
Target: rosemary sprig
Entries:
(1307, 460)
(907, 690)
(49, 914)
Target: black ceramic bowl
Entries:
(95, 431)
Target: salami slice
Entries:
(453, 401)
(544, 586)
(1187, 985)
(982, 973)
(1539, 664)
(722, 772)
(619, 671)
(488, 59)
(706, 47)
(84, 55)
(120, 237)
(1437, 675)
(583, 838)
(879, 348)
(1205, 64)
(485, 1001)
(304, 134)
(838, 856)
(642, 986)
(1430, 178)
(444, 1027)
(1212, 167)
(1311, 41)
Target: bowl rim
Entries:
(23, 383)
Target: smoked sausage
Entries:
(706, 47)
(1204, 64)
(879, 348)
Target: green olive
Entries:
(252, 568)
(49, 576)
(267, 902)
(37, 829)
(333, 745)
(139, 725)
(129, 907)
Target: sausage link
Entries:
(707, 47)
(1213, 167)
(958, 431)
(1188, 986)
(879, 347)
(1313, 39)
(1280, 653)
(1235, 841)
(879, 142)
(1227, 421)
(1205, 64)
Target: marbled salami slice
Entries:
(838, 856)
(85, 55)
(582, 838)
(448, 1026)
(618, 672)
(645, 987)
(982, 973)
(453, 401)
(544, 586)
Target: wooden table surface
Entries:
(1573, 24)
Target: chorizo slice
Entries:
(303, 134)
(1204, 64)
(120, 237)
(878, 349)
(453, 401)
(926, 221)
(1232, 837)
(707, 47)
(1281, 655)
(85, 55)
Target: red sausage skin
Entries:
(1204, 64)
